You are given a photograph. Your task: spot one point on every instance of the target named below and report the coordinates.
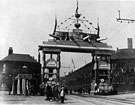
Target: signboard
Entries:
(103, 65)
(51, 63)
(51, 50)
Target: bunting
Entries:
(65, 21)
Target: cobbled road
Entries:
(6, 99)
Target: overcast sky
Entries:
(25, 24)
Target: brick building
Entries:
(123, 68)
(16, 69)
(79, 79)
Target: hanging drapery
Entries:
(22, 84)
(27, 87)
(23, 87)
(13, 87)
(18, 86)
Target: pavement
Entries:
(6, 99)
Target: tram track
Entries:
(126, 101)
(115, 101)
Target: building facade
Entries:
(19, 70)
(121, 75)
(85, 78)
(123, 68)
(79, 80)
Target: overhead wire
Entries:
(118, 31)
(108, 38)
(114, 28)
(130, 14)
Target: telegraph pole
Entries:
(119, 19)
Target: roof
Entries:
(19, 57)
(124, 54)
(76, 46)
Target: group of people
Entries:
(54, 93)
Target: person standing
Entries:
(62, 95)
(47, 92)
(42, 89)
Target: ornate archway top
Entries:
(77, 46)
(76, 39)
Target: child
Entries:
(62, 95)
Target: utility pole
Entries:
(119, 19)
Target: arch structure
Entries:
(75, 34)
(101, 53)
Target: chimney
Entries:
(130, 44)
(10, 50)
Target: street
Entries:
(124, 99)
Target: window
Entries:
(132, 70)
(131, 80)
(122, 70)
(122, 80)
(113, 65)
(4, 68)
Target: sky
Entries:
(25, 24)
